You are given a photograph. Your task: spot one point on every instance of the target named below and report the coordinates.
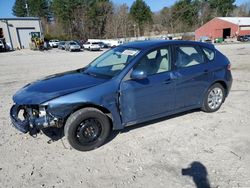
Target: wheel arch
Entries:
(90, 105)
(223, 84)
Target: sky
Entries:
(155, 5)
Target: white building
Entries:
(17, 31)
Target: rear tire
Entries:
(214, 98)
(87, 129)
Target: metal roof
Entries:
(21, 18)
(243, 21)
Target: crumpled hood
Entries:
(54, 86)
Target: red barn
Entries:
(223, 27)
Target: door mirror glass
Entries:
(138, 75)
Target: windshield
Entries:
(72, 43)
(112, 62)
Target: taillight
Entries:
(229, 66)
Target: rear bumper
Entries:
(229, 79)
(95, 48)
(75, 49)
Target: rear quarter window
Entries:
(187, 56)
(209, 53)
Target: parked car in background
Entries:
(246, 38)
(79, 42)
(72, 46)
(92, 46)
(2, 46)
(114, 43)
(103, 45)
(130, 84)
(54, 43)
(61, 45)
(243, 38)
(240, 38)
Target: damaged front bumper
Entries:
(32, 118)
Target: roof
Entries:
(243, 21)
(21, 18)
(150, 44)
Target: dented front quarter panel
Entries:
(104, 95)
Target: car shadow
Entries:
(56, 134)
(199, 174)
(140, 125)
(136, 126)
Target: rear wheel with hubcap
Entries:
(214, 98)
(87, 129)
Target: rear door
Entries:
(194, 75)
(142, 99)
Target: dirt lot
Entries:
(217, 145)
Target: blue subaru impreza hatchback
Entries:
(127, 85)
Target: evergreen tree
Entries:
(141, 14)
(19, 8)
(186, 11)
(222, 7)
(37, 8)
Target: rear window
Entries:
(209, 53)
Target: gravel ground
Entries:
(164, 153)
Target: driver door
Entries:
(143, 99)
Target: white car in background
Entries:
(54, 43)
(92, 46)
(114, 43)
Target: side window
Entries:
(155, 62)
(209, 53)
(187, 56)
(152, 55)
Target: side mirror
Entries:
(138, 75)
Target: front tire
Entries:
(87, 129)
(214, 98)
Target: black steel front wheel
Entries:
(87, 129)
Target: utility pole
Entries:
(27, 8)
(134, 30)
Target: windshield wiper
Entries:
(90, 73)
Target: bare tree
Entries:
(118, 22)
